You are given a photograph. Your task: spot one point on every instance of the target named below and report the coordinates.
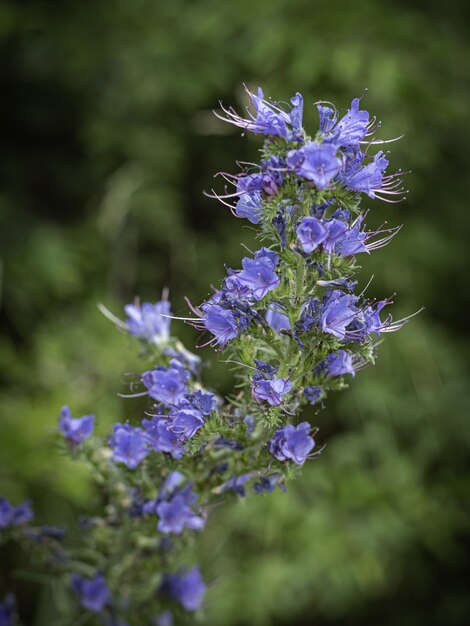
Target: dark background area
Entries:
(108, 142)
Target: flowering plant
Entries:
(291, 324)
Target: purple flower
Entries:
(269, 371)
(167, 384)
(270, 187)
(368, 178)
(342, 215)
(339, 363)
(310, 233)
(176, 515)
(309, 316)
(249, 182)
(161, 438)
(271, 391)
(8, 611)
(353, 241)
(349, 131)
(203, 402)
(328, 118)
(130, 445)
(23, 513)
(315, 162)
(187, 588)
(173, 506)
(267, 181)
(292, 443)
(338, 311)
(368, 321)
(267, 484)
(147, 322)
(94, 593)
(186, 422)
(267, 256)
(297, 111)
(372, 319)
(235, 290)
(220, 322)
(236, 484)
(258, 276)
(312, 393)
(173, 481)
(269, 118)
(249, 206)
(277, 321)
(318, 210)
(353, 127)
(75, 430)
(335, 232)
(251, 283)
(15, 515)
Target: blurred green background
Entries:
(108, 142)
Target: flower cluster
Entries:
(94, 593)
(180, 412)
(187, 588)
(293, 324)
(292, 443)
(173, 506)
(75, 430)
(15, 515)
